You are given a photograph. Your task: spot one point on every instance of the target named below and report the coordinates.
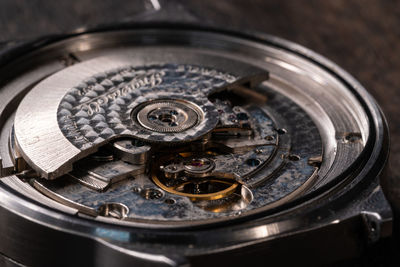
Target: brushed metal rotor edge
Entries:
(37, 133)
(41, 142)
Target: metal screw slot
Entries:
(170, 201)
(151, 193)
(136, 189)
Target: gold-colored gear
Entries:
(198, 197)
(231, 183)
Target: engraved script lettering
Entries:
(93, 105)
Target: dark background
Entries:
(362, 36)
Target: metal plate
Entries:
(290, 147)
(101, 99)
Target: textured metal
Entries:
(280, 156)
(265, 167)
(257, 135)
(91, 102)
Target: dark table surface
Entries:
(362, 36)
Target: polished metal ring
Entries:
(168, 116)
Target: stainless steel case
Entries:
(317, 122)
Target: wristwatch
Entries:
(170, 143)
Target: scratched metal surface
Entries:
(85, 122)
(304, 141)
(362, 36)
(359, 35)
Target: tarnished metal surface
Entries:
(71, 118)
(179, 129)
(165, 115)
(272, 162)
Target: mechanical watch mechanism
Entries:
(156, 129)
(166, 142)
